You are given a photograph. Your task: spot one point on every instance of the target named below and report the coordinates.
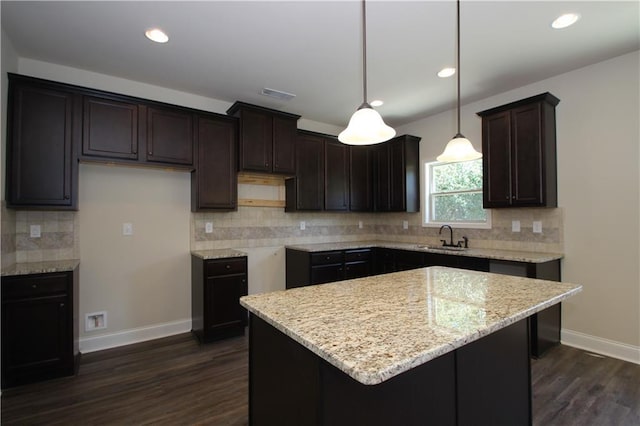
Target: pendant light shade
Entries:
(366, 126)
(459, 148)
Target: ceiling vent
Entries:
(278, 94)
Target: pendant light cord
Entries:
(364, 52)
(458, 58)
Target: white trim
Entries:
(135, 335)
(601, 346)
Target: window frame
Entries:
(427, 220)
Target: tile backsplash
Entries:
(267, 227)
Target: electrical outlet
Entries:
(515, 226)
(35, 231)
(405, 224)
(95, 321)
(537, 227)
(359, 224)
(127, 228)
(303, 225)
(208, 227)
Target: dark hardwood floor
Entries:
(174, 381)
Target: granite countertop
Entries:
(509, 255)
(27, 268)
(377, 327)
(217, 253)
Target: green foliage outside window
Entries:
(456, 192)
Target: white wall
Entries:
(598, 190)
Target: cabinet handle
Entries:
(34, 286)
(328, 257)
(228, 266)
(66, 196)
(266, 164)
(62, 305)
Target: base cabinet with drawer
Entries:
(216, 288)
(39, 327)
(308, 268)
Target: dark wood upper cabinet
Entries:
(43, 127)
(169, 136)
(214, 183)
(306, 190)
(360, 179)
(267, 139)
(397, 175)
(519, 153)
(336, 175)
(109, 128)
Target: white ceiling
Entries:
(230, 50)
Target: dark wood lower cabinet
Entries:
(216, 288)
(305, 268)
(39, 327)
(484, 382)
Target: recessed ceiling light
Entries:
(564, 21)
(376, 103)
(446, 72)
(157, 35)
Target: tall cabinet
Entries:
(519, 153)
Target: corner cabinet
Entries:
(267, 139)
(39, 327)
(397, 175)
(43, 128)
(214, 183)
(519, 153)
(216, 288)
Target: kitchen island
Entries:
(428, 346)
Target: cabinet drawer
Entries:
(357, 255)
(225, 266)
(326, 258)
(34, 285)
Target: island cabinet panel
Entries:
(214, 183)
(360, 179)
(169, 136)
(483, 382)
(43, 126)
(397, 175)
(109, 128)
(39, 327)
(267, 139)
(216, 288)
(519, 153)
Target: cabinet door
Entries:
(397, 178)
(284, 145)
(336, 171)
(310, 172)
(222, 295)
(36, 338)
(109, 128)
(496, 160)
(41, 128)
(526, 156)
(360, 178)
(382, 182)
(169, 136)
(256, 133)
(327, 273)
(214, 183)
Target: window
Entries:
(454, 195)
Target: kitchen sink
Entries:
(443, 248)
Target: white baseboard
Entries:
(601, 346)
(135, 335)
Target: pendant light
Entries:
(366, 126)
(459, 148)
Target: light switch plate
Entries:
(35, 231)
(359, 224)
(537, 227)
(208, 227)
(303, 225)
(127, 228)
(405, 224)
(515, 226)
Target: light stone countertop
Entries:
(217, 253)
(27, 268)
(509, 255)
(377, 327)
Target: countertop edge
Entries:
(218, 254)
(45, 267)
